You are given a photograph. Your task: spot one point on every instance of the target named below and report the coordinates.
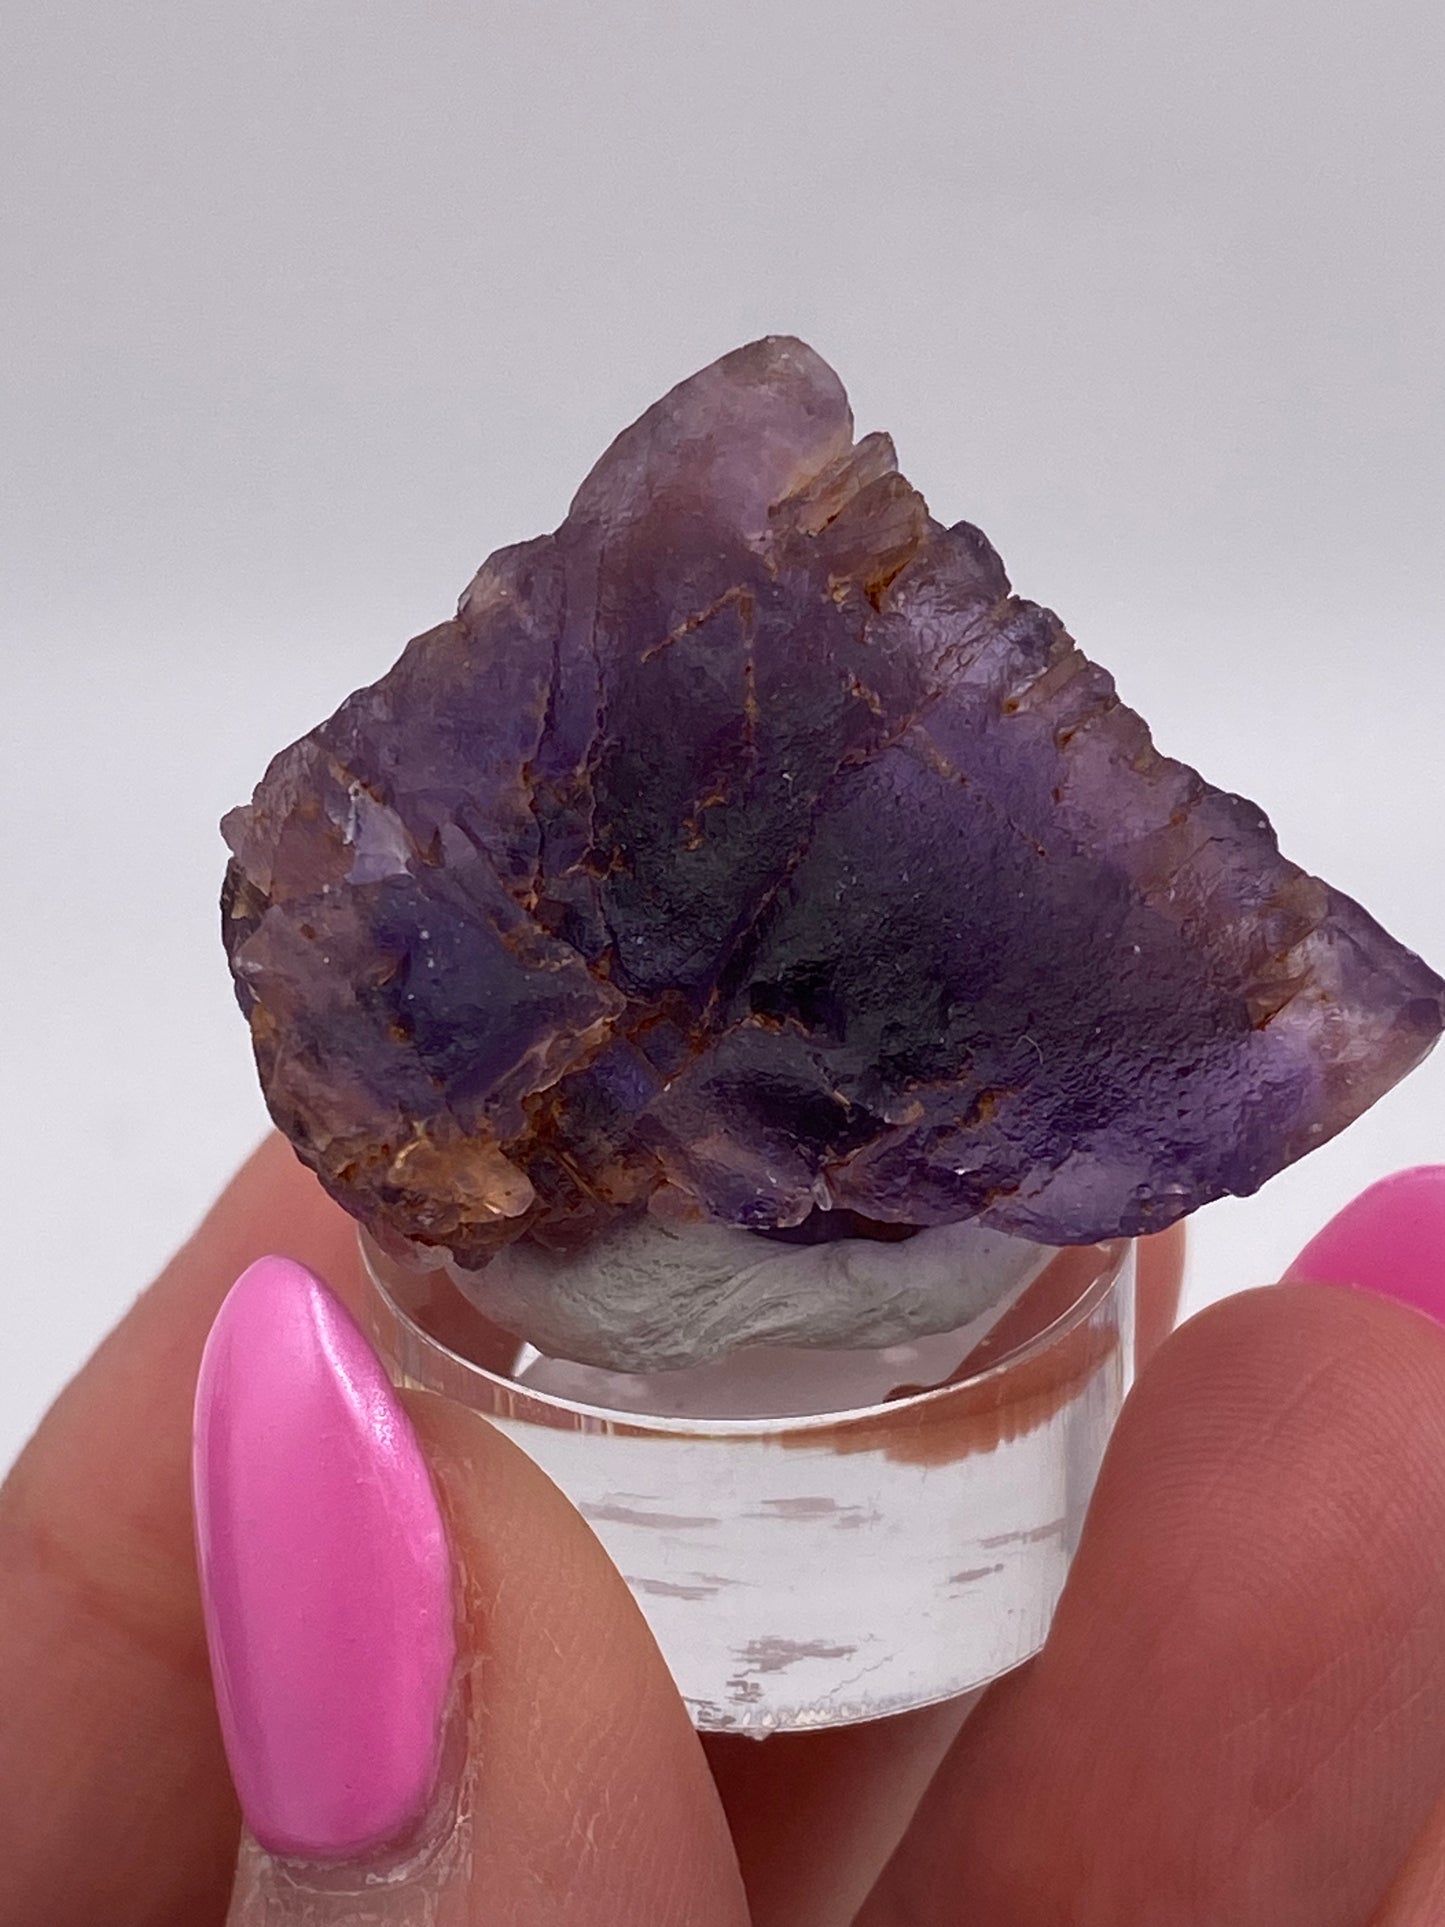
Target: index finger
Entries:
(584, 1795)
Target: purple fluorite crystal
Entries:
(746, 850)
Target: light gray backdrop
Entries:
(308, 306)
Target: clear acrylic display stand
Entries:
(899, 1536)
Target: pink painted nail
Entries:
(1390, 1240)
(324, 1572)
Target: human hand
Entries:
(1239, 1717)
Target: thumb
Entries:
(438, 1698)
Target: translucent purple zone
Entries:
(746, 849)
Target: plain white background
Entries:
(309, 306)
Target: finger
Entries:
(1240, 1714)
(114, 1801)
(815, 1816)
(1389, 1236)
(551, 1777)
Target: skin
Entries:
(1240, 1714)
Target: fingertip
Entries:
(1240, 1712)
(1390, 1240)
(1283, 1396)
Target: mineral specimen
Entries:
(746, 852)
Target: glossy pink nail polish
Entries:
(324, 1572)
(1390, 1240)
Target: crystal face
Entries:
(746, 850)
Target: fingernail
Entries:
(1390, 1240)
(324, 1572)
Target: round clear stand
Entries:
(827, 1565)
